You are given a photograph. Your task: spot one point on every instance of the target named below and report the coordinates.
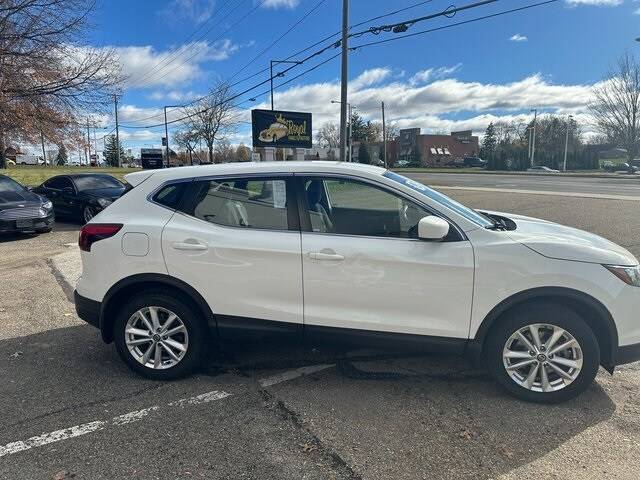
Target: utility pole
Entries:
(166, 134)
(566, 142)
(384, 137)
(343, 80)
(533, 136)
(115, 99)
(88, 144)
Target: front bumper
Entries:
(87, 309)
(27, 224)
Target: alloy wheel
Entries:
(156, 337)
(542, 357)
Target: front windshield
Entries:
(9, 185)
(96, 182)
(451, 204)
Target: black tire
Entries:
(553, 314)
(198, 331)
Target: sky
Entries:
(462, 77)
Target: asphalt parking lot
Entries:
(71, 409)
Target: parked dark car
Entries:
(619, 167)
(22, 210)
(474, 162)
(81, 196)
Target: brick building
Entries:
(435, 150)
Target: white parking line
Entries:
(291, 374)
(542, 192)
(79, 430)
(137, 415)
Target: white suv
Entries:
(352, 252)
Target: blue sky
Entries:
(463, 77)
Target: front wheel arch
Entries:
(128, 287)
(594, 313)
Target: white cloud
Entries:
(370, 77)
(280, 3)
(145, 66)
(474, 104)
(598, 3)
(174, 95)
(637, 12)
(424, 76)
(196, 11)
(518, 38)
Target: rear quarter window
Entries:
(170, 196)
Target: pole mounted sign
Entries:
(272, 128)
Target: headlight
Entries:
(46, 206)
(629, 275)
(104, 202)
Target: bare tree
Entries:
(224, 152)
(48, 78)
(616, 105)
(329, 135)
(187, 140)
(212, 118)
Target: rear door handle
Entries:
(189, 246)
(332, 257)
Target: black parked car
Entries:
(81, 195)
(474, 162)
(22, 210)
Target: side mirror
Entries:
(432, 228)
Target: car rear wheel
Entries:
(160, 337)
(543, 353)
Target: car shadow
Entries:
(415, 413)
(65, 226)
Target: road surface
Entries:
(626, 187)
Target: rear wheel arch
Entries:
(593, 312)
(129, 287)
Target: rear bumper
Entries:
(87, 309)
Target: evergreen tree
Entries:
(61, 159)
(111, 151)
(489, 142)
(364, 156)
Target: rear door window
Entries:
(169, 196)
(261, 203)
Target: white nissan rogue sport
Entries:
(352, 252)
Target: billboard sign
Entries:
(272, 128)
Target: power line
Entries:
(187, 45)
(457, 24)
(182, 62)
(448, 12)
(319, 42)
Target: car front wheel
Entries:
(160, 336)
(543, 353)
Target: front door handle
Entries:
(332, 257)
(189, 246)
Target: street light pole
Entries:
(384, 137)
(343, 79)
(166, 134)
(271, 64)
(566, 141)
(115, 98)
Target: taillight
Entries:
(94, 232)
